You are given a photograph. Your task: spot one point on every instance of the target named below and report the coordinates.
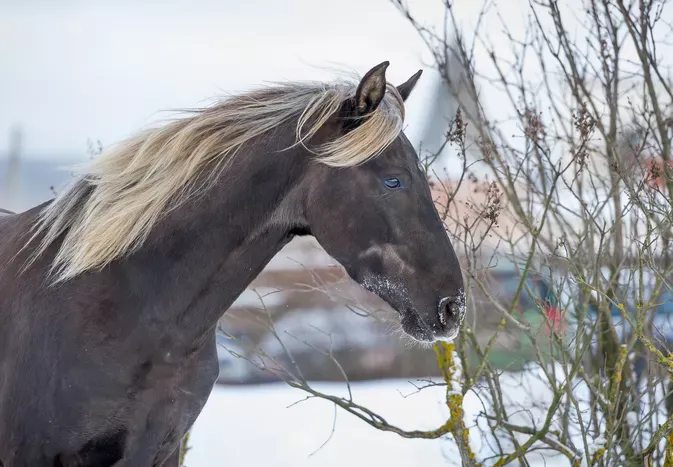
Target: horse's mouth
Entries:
(418, 329)
(415, 327)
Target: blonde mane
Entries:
(115, 201)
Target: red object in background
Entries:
(655, 171)
(556, 321)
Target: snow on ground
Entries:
(255, 426)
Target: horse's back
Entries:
(6, 218)
(14, 232)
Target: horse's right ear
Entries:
(405, 88)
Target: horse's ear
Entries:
(405, 88)
(371, 90)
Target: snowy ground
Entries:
(254, 426)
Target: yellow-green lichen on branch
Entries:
(452, 373)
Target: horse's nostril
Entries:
(449, 310)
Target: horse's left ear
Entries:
(408, 86)
(371, 90)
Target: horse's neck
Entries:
(208, 251)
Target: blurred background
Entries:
(76, 76)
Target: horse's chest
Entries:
(174, 380)
(165, 399)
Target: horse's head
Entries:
(379, 221)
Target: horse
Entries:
(111, 292)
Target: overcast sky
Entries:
(71, 70)
(77, 69)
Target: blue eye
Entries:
(392, 183)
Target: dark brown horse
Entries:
(110, 294)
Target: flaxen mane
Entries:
(115, 201)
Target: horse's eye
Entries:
(392, 182)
